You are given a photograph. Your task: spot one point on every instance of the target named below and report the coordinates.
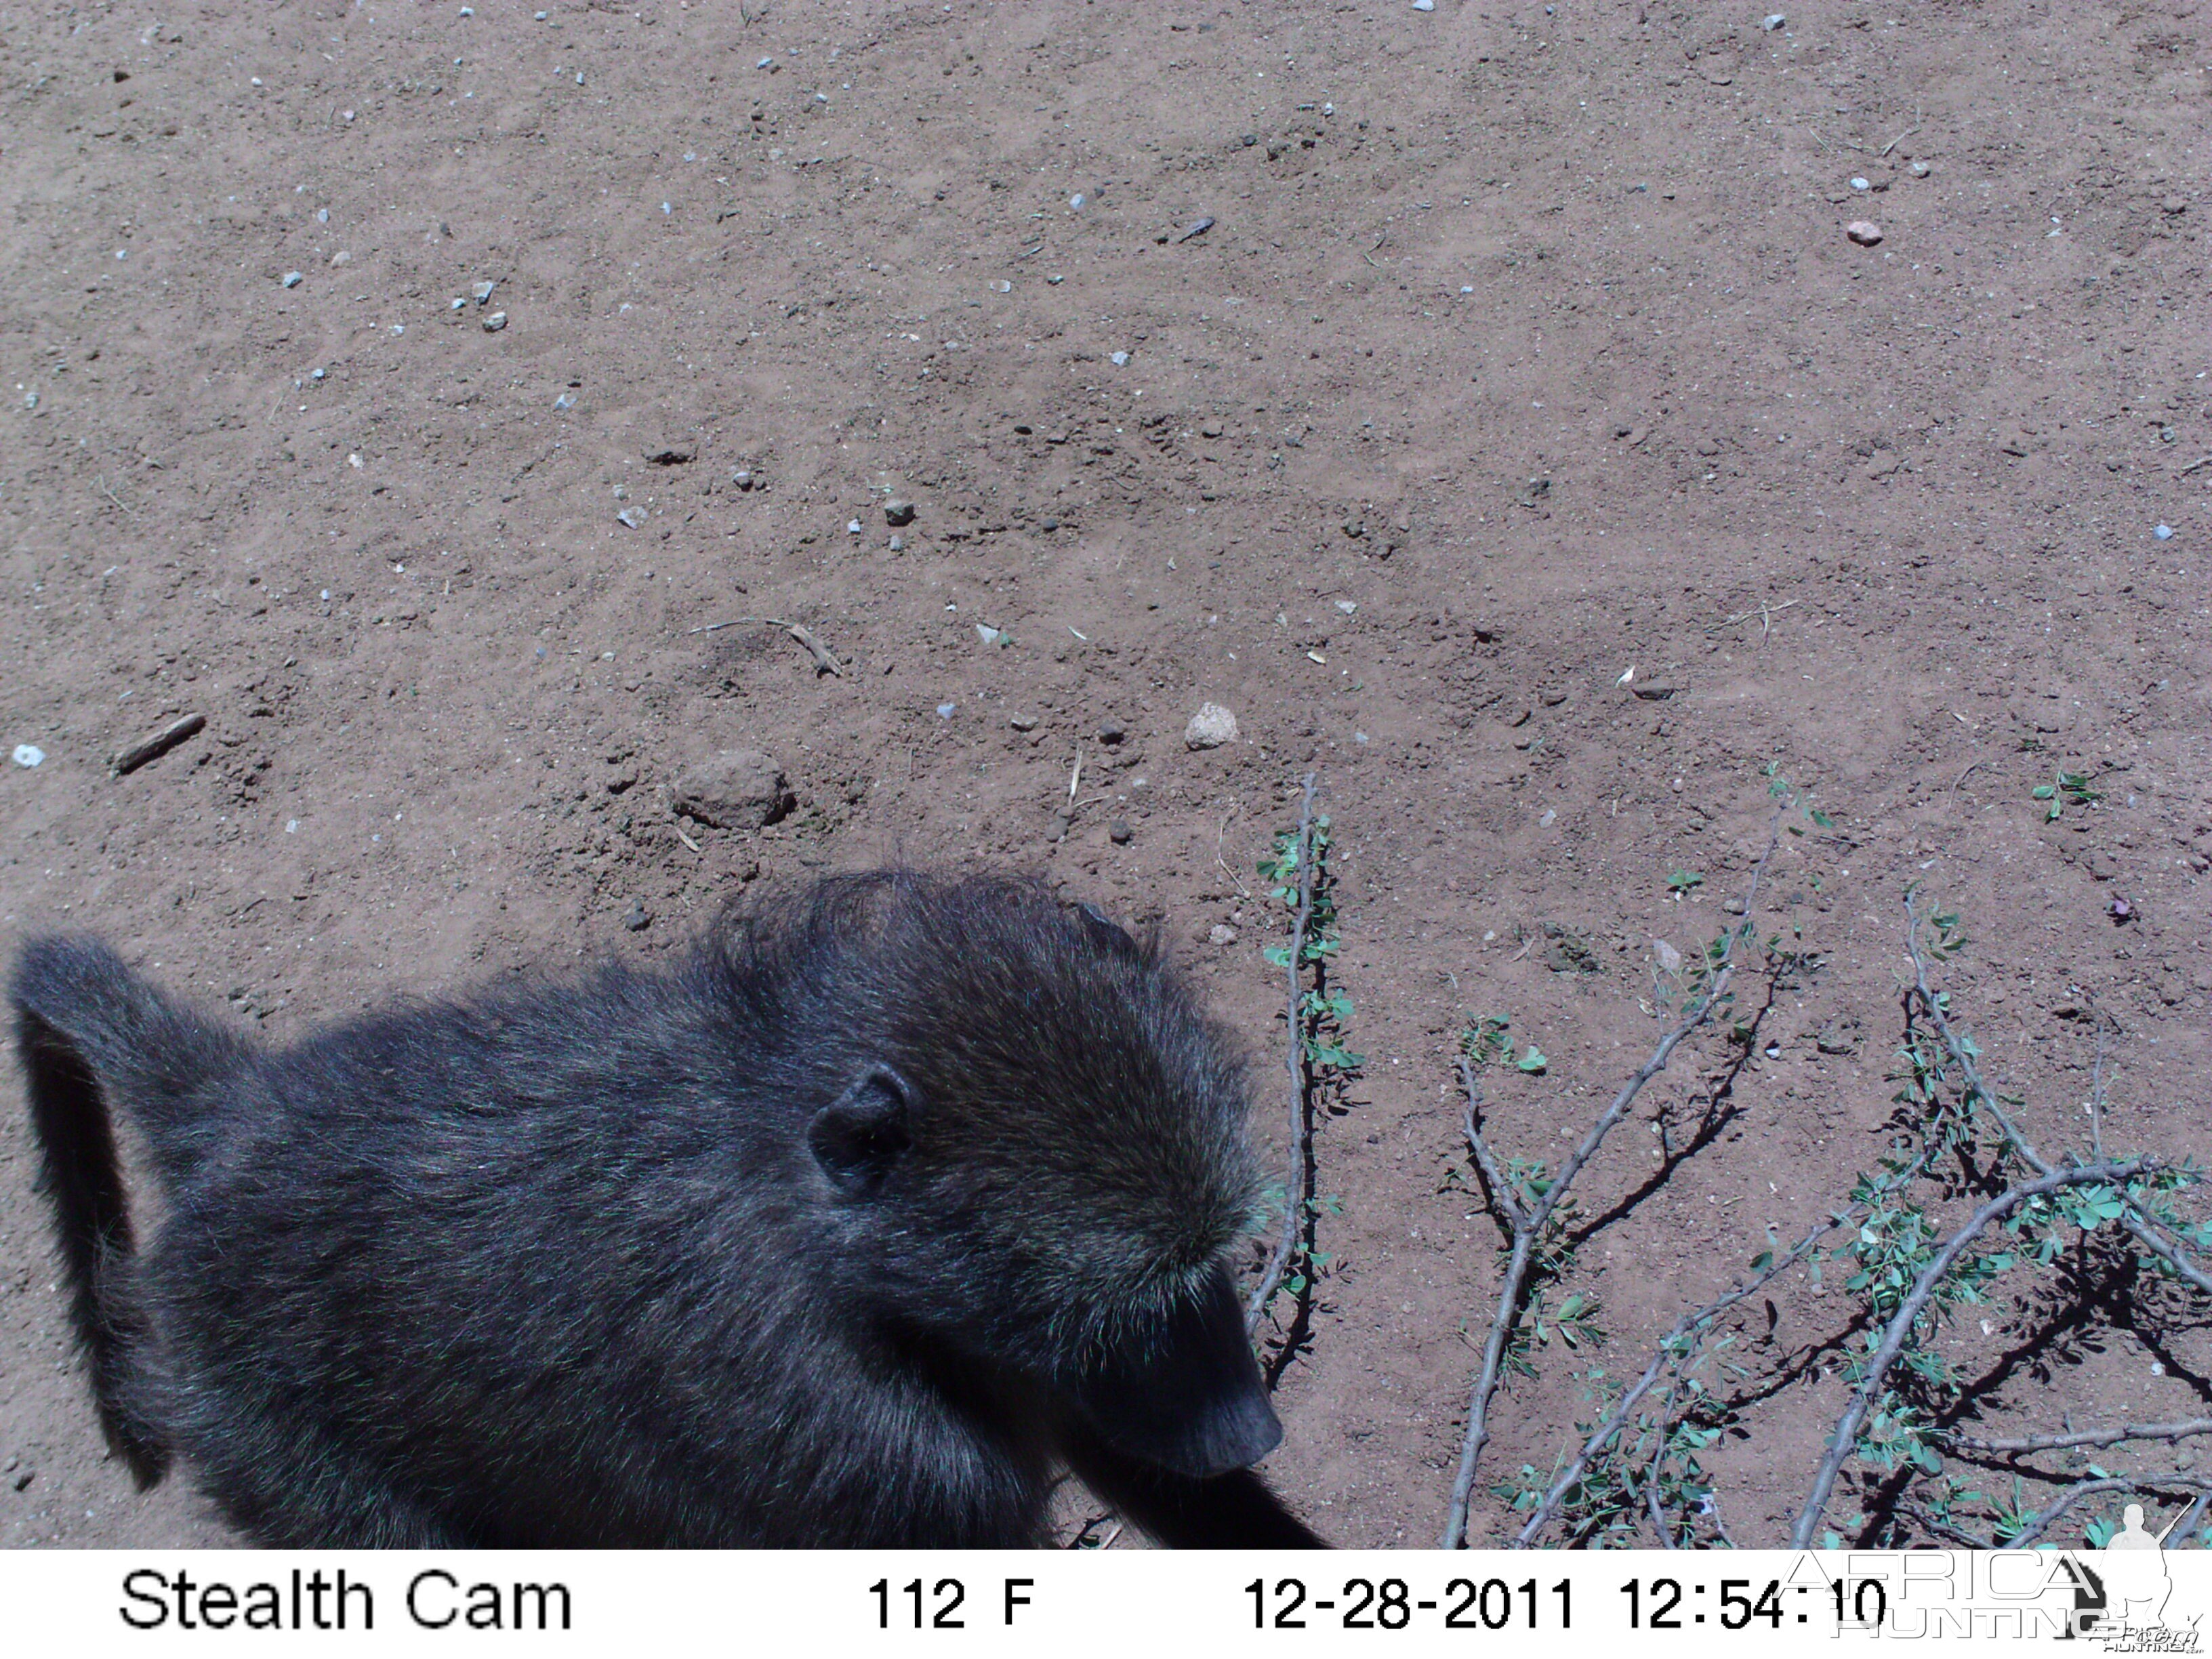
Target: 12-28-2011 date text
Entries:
(1392, 1604)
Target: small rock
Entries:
(637, 921)
(497, 322)
(1864, 232)
(1120, 360)
(566, 400)
(743, 479)
(2174, 204)
(1535, 490)
(945, 710)
(991, 636)
(2121, 912)
(736, 789)
(2164, 532)
(1425, 5)
(671, 454)
(898, 544)
(1861, 184)
(1920, 169)
(1670, 959)
(1734, 906)
(342, 257)
(1120, 833)
(1221, 933)
(1209, 429)
(29, 754)
(1549, 818)
(851, 527)
(315, 375)
(23, 1479)
(1023, 722)
(293, 279)
(898, 514)
(1110, 732)
(481, 291)
(630, 518)
(1211, 728)
(1772, 20)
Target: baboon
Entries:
(889, 1203)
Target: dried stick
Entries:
(2144, 1227)
(1294, 1191)
(2040, 1521)
(155, 747)
(824, 661)
(2036, 1443)
(1899, 1330)
(1615, 1419)
(1528, 1221)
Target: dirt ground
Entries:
(1523, 345)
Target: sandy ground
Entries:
(1525, 346)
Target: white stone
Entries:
(1211, 728)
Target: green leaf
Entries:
(1533, 1061)
(2044, 792)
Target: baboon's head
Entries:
(1039, 1153)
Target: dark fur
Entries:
(849, 1231)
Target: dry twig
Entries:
(160, 743)
(1294, 1191)
(824, 661)
(1528, 1221)
(2037, 1442)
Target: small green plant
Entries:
(1296, 870)
(2067, 789)
(1682, 883)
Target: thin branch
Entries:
(2144, 1228)
(825, 661)
(1294, 1191)
(1668, 1344)
(1844, 1442)
(2040, 1521)
(2038, 1443)
(1530, 1223)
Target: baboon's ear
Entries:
(859, 1136)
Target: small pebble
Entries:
(1864, 232)
(1549, 818)
(342, 257)
(1110, 732)
(1772, 21)
(28, 754)
(945, 710)
(991, 636)
(1120, 359)
(851, 527)
(497, 322)
(1023, 722)
(1861, 184)
(2164, 532)
(1221, 933)
(1075, 201)
(897, 512)
(898, 544)
(637, 921)
(481, 291)
(743, 480)
(1920, 169)
(2120, 910)
(293, 279)
(314, 374)
(1211, 728)
(1425, 5)
(765, 63)
(566, 400)
(630, 518)
(1120, 833)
